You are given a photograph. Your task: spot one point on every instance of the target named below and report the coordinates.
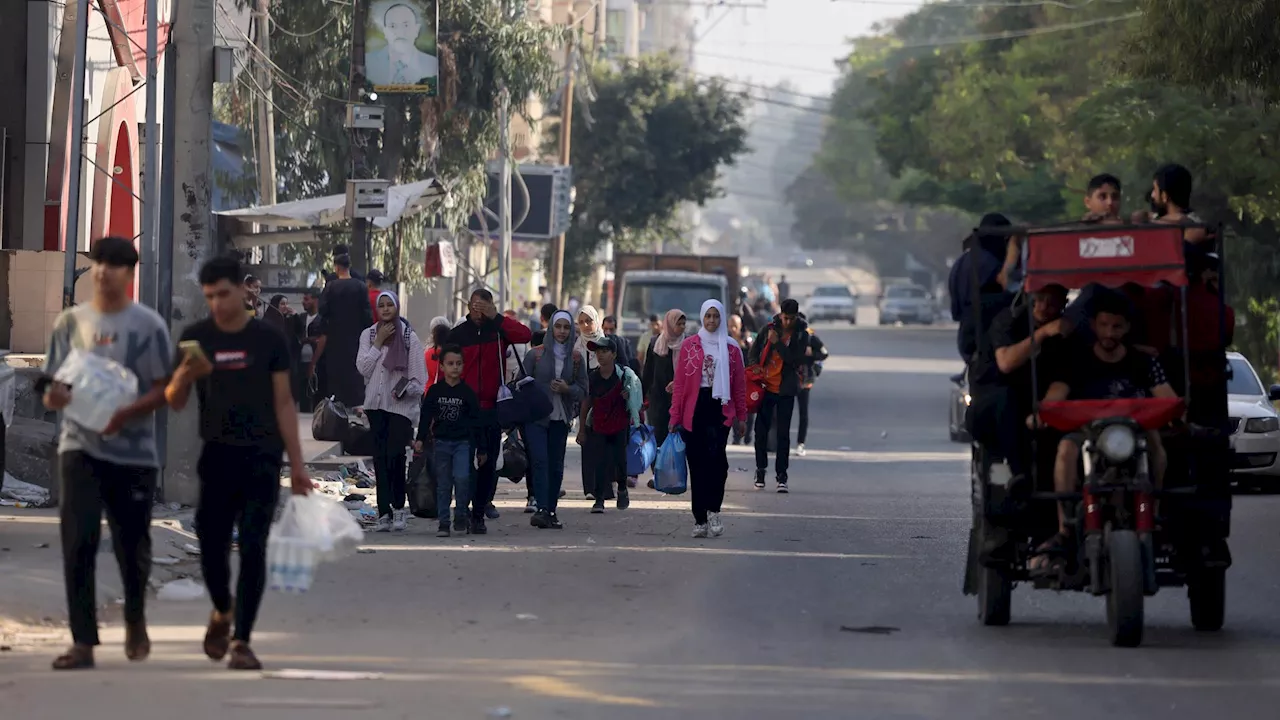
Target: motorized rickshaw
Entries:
(1120, 551)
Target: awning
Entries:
(315, 213)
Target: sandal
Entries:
(137, 644)
(242, 658)
(1049, 555)
(217, 639)
(77, 657)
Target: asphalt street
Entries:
(839, 600)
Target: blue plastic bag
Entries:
(642, 450)
(671, 472)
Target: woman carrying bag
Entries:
(708, 399)
(393, 364)
(560, 371)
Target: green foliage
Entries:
(483, 46)
(655, 142)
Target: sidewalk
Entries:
(32, 593)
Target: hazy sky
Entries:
(794, 40)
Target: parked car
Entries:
(958, 406)
(799, 261)
(833, 302)
(906, 304)
(1255, 425)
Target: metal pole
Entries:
(504, 198)
(150, 244)
(71, 242)
(566, 137)
(359, 226)
(266, 150)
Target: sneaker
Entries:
(462, 525)
(553, 522)
(760, 479)
(632, 481)
(242, 658)
(650, 484)
(443, 530)
(399, 520)
(800, 450)
(384, 524)
(714, 525)
(478, 526)
(624, 499)
(491, 512)
(531, 506)
(700, 530)
(589, 496)
(597, 508)
(540, 520)
(782, 487)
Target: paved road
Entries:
(625, 616)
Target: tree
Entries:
(655, 140)
(483, 46)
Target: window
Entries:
(904, 292)
(640, 300)
(839, 291)
(1244, 381)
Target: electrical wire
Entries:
(291, 33)
(980, 4)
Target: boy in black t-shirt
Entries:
(450, 419)
(239, 368)
(1110, 369)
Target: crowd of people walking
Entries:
(252, 364)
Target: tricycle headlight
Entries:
(1117, 443)
(1262, 425)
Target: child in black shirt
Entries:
(450, 420)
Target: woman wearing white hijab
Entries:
(560, 371)
(709, 398)
(393, 364)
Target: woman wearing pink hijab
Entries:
(659, 373)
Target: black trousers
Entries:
(486, 486)
(392, 434)
(89, 487)
(239, 488)
(999, 421)
(708, 461)
(803, 401)
(609, 466)
(783, 406)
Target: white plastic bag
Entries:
(99, 387)
(311, 530)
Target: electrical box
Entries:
(365, 117)
(223, 64)
(367, 198)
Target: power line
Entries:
(980, 4)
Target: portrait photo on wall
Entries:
(400, 46)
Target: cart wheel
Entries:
(1124, 601)
(1208, 595)
(995, 596)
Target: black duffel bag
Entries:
(330, 420)
(515, 458)
(521, 402)
(422, 485)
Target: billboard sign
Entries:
(400, 53)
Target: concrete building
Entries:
(667, 28)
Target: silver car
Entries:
(906, 304)
(833, 302)
(1255, 425)
(958, 407)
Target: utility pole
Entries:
(359, 226)
(150, 245)
(266, 150)
(71, 241)
(504, 197)
(566, 137)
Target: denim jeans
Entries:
(546, 457)
(453, 477)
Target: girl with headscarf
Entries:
(659, 372)
(560, 371)
(393, 363)
(708, 399)
(590, 330)
(437, 335)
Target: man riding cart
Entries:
(1125, 487)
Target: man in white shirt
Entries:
(400, 62)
